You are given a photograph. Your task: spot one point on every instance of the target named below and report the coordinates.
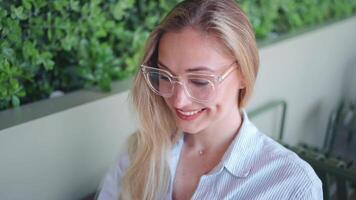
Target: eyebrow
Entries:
(195, 69)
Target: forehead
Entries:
(190, 49)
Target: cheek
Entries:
(226, 99)
(216, 106)
(168, 102)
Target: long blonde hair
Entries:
(148, 175)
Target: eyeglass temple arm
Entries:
(223, 76)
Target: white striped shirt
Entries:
(253, 167)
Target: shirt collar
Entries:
(238, 159)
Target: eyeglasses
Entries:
(199, 87)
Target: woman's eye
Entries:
(199, 82)
(163, 77)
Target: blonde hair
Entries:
(148, 175)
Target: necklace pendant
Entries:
(201, 152)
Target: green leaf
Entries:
(105, 84)
(27, 5)
(21, 93)
(3, 13)
(14, 84)
(15, 101)
(46, 60)
(29, 50)
(14, 31)
(60, 5)
(119, 8)
(74, 5)
(69, 41)
(18, 13)
(5, 66)
(8, 53)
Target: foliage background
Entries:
(67, 45)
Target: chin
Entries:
(192, 126)
(188, 128)
(189, 131)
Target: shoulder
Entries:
(280, 164)
(272, 153)
(110, 185)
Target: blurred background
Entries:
(66, 67)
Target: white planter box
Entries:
(62, 155)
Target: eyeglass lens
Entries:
(198, 87)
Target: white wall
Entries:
(311, 72)
(64, 155)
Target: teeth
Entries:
(189, 113)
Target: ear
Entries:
(242, 83)
(241, 80)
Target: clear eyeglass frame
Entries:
(213, 79)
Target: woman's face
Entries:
(191, 51)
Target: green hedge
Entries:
(72, 44)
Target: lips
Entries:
(189, 115)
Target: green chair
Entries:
(335, 173)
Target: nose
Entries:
(179, 97)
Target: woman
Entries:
(195, 140)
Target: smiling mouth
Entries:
(189, 115)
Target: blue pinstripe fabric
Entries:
(253, 167)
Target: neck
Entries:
(216, 137)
